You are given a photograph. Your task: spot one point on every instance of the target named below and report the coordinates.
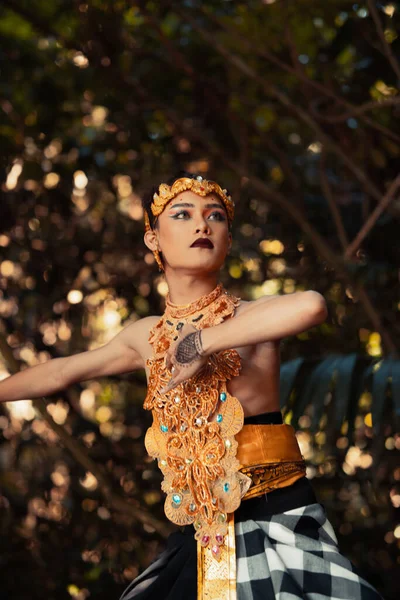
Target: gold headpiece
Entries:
(199, 186)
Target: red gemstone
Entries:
(205, 539)
(219, 538)
(215, 550)
(202, 189)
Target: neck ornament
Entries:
(192, 435)
(181, 311)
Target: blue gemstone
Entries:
(226, 487)
(222, 396)
(176, 499)
(164, 428)
(219, 418)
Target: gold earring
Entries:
(158, 260)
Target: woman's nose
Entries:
(203, 226)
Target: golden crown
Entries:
(199, 186)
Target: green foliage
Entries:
(292, 106)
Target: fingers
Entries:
(167, 388)
(168, 360)
(170, 384)
(178, 377)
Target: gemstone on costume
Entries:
(214, 500)
(192, 507)
(164, 428)
(219, 418)
(219, 538)
(176, 499)
(228, 443)
(177, 399)
(226, 487)
(205, 539)
(221, 518)
(199, 421)
(198, 389)
(197, 525)
(183, 427)
(188, 461)
(199, 178)
(222, 396)
(215, 550)
(163, 462)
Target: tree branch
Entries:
(299, 74)
(273, 91)
(78, 451)
(385, 46)
(177, 58)
(372, 219)
(356, 111)
(327, 191)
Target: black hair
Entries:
(147, 198)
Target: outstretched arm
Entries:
(267, 319)
(119, 355)
(270, 320)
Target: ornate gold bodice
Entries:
(192, 435)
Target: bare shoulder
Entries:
(136, 334)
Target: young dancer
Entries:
(249, 524)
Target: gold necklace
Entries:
(197, 453)
(180, 311)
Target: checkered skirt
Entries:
(295, 555)
(285, 556)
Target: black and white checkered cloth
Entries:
(295, 555)
(284, 556)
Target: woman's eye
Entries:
(219, 215)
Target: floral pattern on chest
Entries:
(197, 455)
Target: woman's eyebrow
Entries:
(189, 205)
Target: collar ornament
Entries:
(192, 435)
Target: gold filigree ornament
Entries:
(192, 435)
(200, 186)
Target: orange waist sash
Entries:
(271, 457)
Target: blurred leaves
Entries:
(345, 377)
(294, 108)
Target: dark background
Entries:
(294, 108)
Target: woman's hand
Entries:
(185, 357)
